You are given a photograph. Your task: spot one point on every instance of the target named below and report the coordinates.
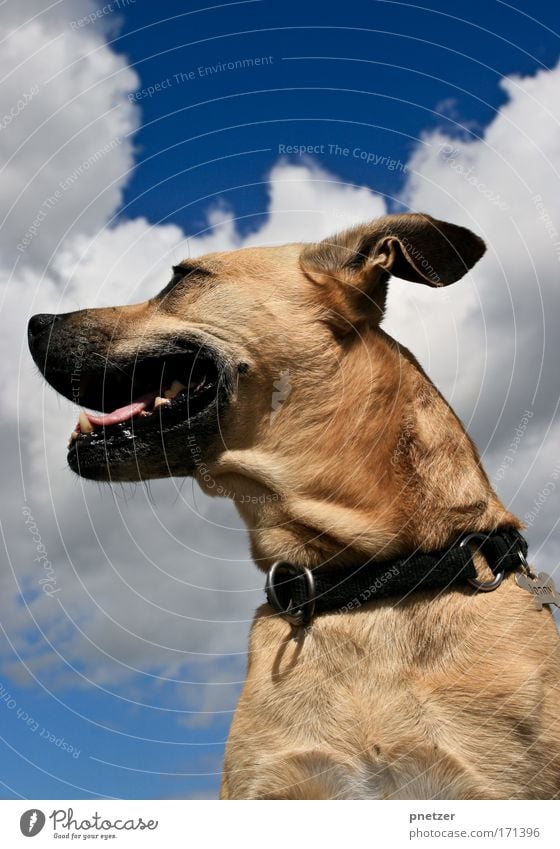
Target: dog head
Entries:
(248, 360)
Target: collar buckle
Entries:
(482, 586)
(290, 590)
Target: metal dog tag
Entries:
(541, 588)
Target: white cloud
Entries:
(65, 131)
(307, 203)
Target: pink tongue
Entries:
(123, 414)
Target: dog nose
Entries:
(40, 322)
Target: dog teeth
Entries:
(159, 402)
(173, 390)
(85, 424)
(73, 437)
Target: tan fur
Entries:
(446, 697)
(441, 695)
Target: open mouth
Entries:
(147, 412)
(147, 395)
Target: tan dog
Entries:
(447, 694)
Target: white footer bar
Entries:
(274, 825)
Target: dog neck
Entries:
(377, 467)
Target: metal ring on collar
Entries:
(482, 586)
(525, 565)
(303, 614)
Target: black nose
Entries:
(40, 322)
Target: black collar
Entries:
(298, 593)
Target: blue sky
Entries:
(375, 77)
(390, 71)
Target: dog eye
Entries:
(179, 273)
(188, 272)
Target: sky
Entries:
(135, 134)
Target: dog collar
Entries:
(298, 593)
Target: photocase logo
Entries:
(31, 822)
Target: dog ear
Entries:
(416, 247)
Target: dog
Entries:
(265, 374)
